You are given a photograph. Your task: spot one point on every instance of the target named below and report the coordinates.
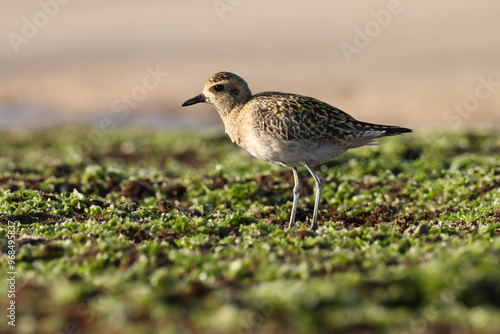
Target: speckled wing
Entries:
(296, 117)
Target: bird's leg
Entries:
(319, 188)
(296, 195)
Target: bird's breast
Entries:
(288, 153)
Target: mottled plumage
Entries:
(287, 130)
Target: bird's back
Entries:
(292, 117)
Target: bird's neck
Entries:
(232, 123)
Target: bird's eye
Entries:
(218, 88)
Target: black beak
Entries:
(194, 100)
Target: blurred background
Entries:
(410, 63)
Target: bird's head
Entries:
(225, 90)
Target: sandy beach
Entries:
(414, 64)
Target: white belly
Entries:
(289, 153)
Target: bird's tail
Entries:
(385, 130)
(368, 133)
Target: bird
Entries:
(287, 130)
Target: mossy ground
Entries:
(142, 231)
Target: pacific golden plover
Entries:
(287, 130)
